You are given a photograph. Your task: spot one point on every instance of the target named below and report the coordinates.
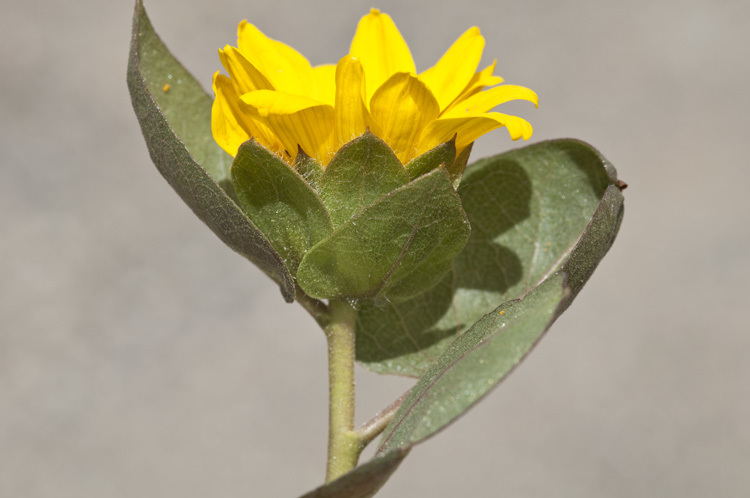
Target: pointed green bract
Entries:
(360, 173)
(280, 202)
(456, 170)
(176, 126)
(442, 155)
(527, 210)
(308, 168)
(415, 229)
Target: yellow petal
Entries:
(245, 76)
(285, 68)
(225, 127)
(380, 49)
(351, 117)
(297, 121)
(481, 80)
(488, 99)
(455, 69)
(324, 80)
(402, 106)
(469, 128)
(229, 125)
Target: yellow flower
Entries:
(274, 95)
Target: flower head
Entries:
(274, 95)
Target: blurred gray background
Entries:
(141, 357)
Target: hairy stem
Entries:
(343, 442)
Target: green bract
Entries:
(361, 230)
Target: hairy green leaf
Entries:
(473, 364)
(176, 123)
(485, 354)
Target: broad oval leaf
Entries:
(176, 123)
(527, 209)
(393, 249)
(484, 355)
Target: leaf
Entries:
(280, 202)
(360, 173)
(364, 481)
(176, 126)
(527, 210)
(184, 103)
(473, 364)
(484, 355)
(394, 248)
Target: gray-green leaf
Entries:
(484, 355)
(176, 124)
(473, 364)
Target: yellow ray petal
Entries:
(245, 76)
(225, 126)
(296, 121)
(324, 79)
(402, 106)
(455, 69)
(469, 128)
(351, 117)
(229, 125)
(285, 68)
(484, 101)
(380, 49)
(481, 80)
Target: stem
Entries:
(343, 442)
